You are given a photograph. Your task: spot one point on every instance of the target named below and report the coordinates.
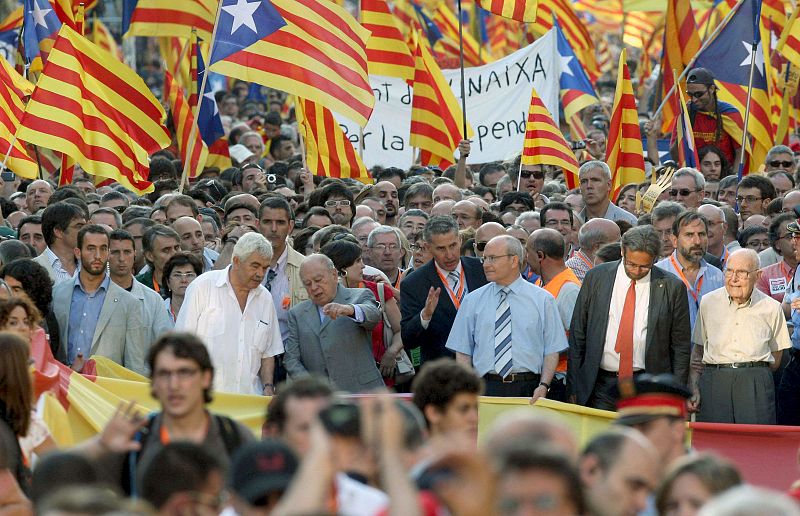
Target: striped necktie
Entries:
(453, 278)
(502, 336)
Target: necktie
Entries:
(453, 278)
(270, 278)
(624, 344)
(502, 336)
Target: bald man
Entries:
(593, 235)
(446, 191)
(467, 215)
(485, 233)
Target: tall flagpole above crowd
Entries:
(753, 54)
(461, 64)
(200, 96)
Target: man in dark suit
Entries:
(628, 301)
(430, 296)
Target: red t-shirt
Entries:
(378, 346)
(775, 279)
(704, 129)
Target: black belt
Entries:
(738, 365)
(512, 377)
(615, 374)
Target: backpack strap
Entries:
(131, 464)
(229, 433)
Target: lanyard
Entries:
(163, 433)
(724, 257)
(695, 293)
(455, 297)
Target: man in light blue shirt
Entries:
(690, 239)
(509, 330)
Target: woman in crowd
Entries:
(29, 278)
(179, 271)
(755, 238)
(19, 315)
(345, 253)
(713, 164)
(627, 197)
(692, 482)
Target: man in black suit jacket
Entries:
(430, 295)
(662, 339)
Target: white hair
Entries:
(250, 243)
(591, 165)
(699, 180)
(750, 501)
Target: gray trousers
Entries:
(744, 395)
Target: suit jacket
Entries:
(414, 292)
(339, 349)
(668, 341)
(155, 318)
(297, 291)
(119, 334)
(44, 262)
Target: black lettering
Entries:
(383, 138)
(398, 143)
(538, 66)
(522, 71)
(483, 131)
(497, 129)
(406, 98)
(492, 78)
(471, 86)
(508, 79)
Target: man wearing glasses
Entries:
(738, 340)
(509, 330)
(714, 122)
(629, 318)
(338, 200)
(779, 159)
(753, 195)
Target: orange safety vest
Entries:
(554, 287)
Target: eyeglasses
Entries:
(748, 199)
(781, 164)
(492, 259)
(480, 246)
(696, 94)
(414, 248)
(119, 209)
(184, 373)
(637, 266)
(386, 247)
(683, 192)
(182, 275)
(738, 274)
(537, 174)
(333, 204)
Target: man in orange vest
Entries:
(546, 250)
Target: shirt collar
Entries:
(103, 286)
(703, 263)
(444, 272)
(512, 287)
(621, 274)
(51, 256)
(282, 260)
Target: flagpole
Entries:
(754, 47)
(461, 62)
(360, 129)
(705, 45)
(785, 33)
(200, 97)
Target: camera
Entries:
(577, 145)
(8, 175)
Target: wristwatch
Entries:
(546, 385)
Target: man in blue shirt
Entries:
(97, 317)
(690, 239)
(508, 330)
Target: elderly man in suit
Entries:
(96, 316)
(630, 317)
(331, 333)
(431, 295)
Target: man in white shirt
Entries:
(234, 314)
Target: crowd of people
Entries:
(492, 279)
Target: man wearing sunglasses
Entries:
(779, 158)
(714, 122)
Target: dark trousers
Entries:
(604, 395)
(743, 395)
(516, 389)
(788, 397)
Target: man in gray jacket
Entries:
(331, 333)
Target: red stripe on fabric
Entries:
(172, 16)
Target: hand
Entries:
(237, 231)
(269, 390)
(430, 303)
(653, 127)
(260, 181)
(388, 364)
(539, 200)
(572, 398)
(306, 177)
(214, 245)
(693, 405)
(395, 292)
(795, 304)
(593, 148)
(381, 424)
(78, 364)
(539, 392)
(118, 434)
(464, 148)
(334, 310)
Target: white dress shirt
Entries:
(236, 340)
(610, 361)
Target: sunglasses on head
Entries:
(782, 164)
(526, 174)
(683, 192)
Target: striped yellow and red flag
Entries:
(328, 151)
(218, 154)
(173, 53)
(574, 29)
(320, 55)
(173, 18)
(544, 142)
(13, 90)
(90, 106)
(789, 44)
(103, 38)
(519, 10)
(436, 115)
(604, 64)
(12, 21)
(447, 21)
(624, 154)
(183, 119)
(681, 44)
(639, 25)
(67, 10)
(387, 52)
(505, 36)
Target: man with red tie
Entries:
(630, 318)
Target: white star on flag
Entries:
(565, 61)
(749, 58)
(39, 14)
(242, 14)
(210, 98)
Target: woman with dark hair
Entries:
(180, 270)
(692, 481)
(345, 253)
(626, 199)
(27, 277)
(713, 164)
(19, 315)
